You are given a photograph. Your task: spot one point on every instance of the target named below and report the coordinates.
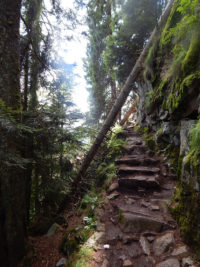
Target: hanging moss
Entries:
(187, 215)
(192, 57)
(176, 95)
(149, 71)
(172, 20)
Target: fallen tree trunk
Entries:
(122, 97)
(129, 112)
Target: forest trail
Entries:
(134, 221)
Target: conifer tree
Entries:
(12, 183)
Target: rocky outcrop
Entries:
(169, 107)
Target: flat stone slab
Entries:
(169, 263)
(127, 263)
(179, 251)
(136, 161)
(135, 148)
(113, 195)
(144, 261)
(112, 233)
(139, 181)
(134, 250)
(126, 169)
(134, 223)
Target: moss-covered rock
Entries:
(170, 94)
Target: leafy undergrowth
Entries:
(104, 173)
(82, 219)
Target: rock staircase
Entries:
(134, 222)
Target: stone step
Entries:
(134, 223)
(137, 161)
(145, 170)
(135, 140)
(135, 148)
(131, 182)
(129, 134)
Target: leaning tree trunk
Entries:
(122, 97)
(129, 112)
(12, 182)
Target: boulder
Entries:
(145, 245)
(186, 262)
(53, 229)
(114, 195)
(105, 263)
(169, 263)
(163, 243)
(61, 262)
(179, 251)
(96, 239)
(127, 263)
(186, 126)
(114, 186)
(134, 250)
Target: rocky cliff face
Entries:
(169, 107)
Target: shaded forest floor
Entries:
(46, 249)
(134, 225)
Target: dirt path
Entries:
(135, 228)
(135, 221)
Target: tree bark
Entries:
(12, 183)
(129, 112)
(122, 97)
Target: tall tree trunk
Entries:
(12, 183)
(112, 81)
(122, 97)
(26, 72)
(31, 72)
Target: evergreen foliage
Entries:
(40, 146)
(118, 31)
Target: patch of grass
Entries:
(81, 259)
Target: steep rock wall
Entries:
(169, 107)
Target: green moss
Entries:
(137, 128)
(120, 216)
(156, 95)
(191, 59)
(81, 259)
(172, 20)
(176, 95)
(191, 79)
(195, 137)
(186, 204)
(150, 142)
(179, 168)
(68, 246)
(149, 71)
